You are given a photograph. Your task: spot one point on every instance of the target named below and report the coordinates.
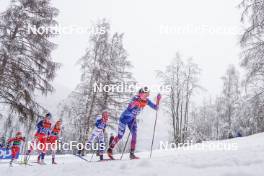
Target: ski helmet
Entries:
(48, 115)
(18, 133)
(143, 90)
(105, 115)
(105, 110)
(58, 121)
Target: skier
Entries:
(15, 146)
(43, 131)
(52, 139)
(128, 118)
(98, 132)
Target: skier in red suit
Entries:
(15, 143)
(43, 131)
(53, 138)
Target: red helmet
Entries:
(105, 116)
(58, 122)
(18, 133)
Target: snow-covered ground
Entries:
(246, 160)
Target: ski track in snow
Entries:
(247, 160)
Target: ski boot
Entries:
(101, 157)
(26, 158)
(41, 157)
(38, 160)
(11, 163)
(53, 161)
(110, 153)
(132, 155)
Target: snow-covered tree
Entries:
(203, 122)
(230, 100)
(182, 78)
(105, 63)
(253, 61)
(26, 65)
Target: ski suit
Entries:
(16, 145)
(52, 139)
(98, 132)
(128, 118)
(43, 131)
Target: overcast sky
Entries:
(149, 49)
(148, 46)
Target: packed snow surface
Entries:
(247, 159)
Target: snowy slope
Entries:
(247, 160)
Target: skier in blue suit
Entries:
(98, 132)
(128, 118)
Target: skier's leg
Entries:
(39, 144)
(121, 132)
(43, 141)
(13, 154)
(53, 148)
(39, 147)
(53, 152)
(91, 139)
(101, 144)
(133, 130)
(30, 149)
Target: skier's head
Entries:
(105, 116)
(18, 134)
(58, 123)
(48, 116)
(143, 93)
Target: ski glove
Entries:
(158, 99)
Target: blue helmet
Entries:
(48, 115)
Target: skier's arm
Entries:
(23, 139)
(152, 105)
(39, 125)
(98, 122)
(49, 132)
(10, 140)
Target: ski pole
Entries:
(29, 152)
(92, 157)
(125, 146)
(154, 130)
